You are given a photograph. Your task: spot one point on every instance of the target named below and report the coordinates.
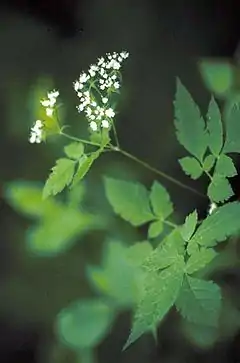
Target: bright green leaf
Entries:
(160, 201)
(74, 150)
(214, 127)
(232, 141)
(84, 323)
(217, 76)
(137, 253)
(26, 198)
(200, 259)
(60, 177)
(166, 253)
(208, 162)
(190, 126)
(84, 165)
(223, 223)
(189, 226)
(219, 190)
(160, 291)
(129, 200)
(199, 301)
(56, 234)
(225, 166)
(191, 167)
(155, 229)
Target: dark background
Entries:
(59, 39)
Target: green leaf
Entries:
(199, 301)
(160, 201)
(225, 166)
(217, 76)
(155, 229)
(166, 253)
(200, 335)
(74, 150)
(214, 127)
(26, 198)
(84, 323)
(191, 167)
(119, 278)
(189, 226)
(160, 291)
(129, 200)
(232, 141)
(223, 223)
(200, 259)
(60, 177)
(190, 126)
(208, 162)
(219, 190)
(84, 166)
(137, 253)
(57, 233)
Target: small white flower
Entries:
(53, 95)
(212, 207)
(36, 132)
(105, 124)
(124, 54)
(93, 125)
(110, 113)
(116, 85)
(76, 85)
(83, 78)
(80, 108)
(100, 61)
(45, 103)
(114, 77)
(102, 87)
(88, 111)
(49, 111)
(92, 117)
(79, 94)
(104, 100)
(94, 104)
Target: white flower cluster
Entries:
(95, 87)
(36, 132)
(50, 102)
(212, 207)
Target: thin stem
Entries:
(115, 135)
(156, 171)
(171, 224)
(79, 140)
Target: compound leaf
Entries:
(60, 177)
(129, 200)
(160, 291)
(191, 167)
(200, 259)
(84, 323)
(74, 150)
(219, 190)
(224, 222)
(199, 301)
(160, 201)
(214, 127)
(190, 126)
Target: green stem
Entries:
(79, 140)
(156, 171)
(115, 135)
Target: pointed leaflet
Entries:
(84, 166)
(129, 200)
(160, 201)
(155, 229)
(232, 142)
(160, 291)
(219, 190)
(223, 223)
(214, 127)
(225, 166)
(84, 323)
(74, 150)
(208, 162)
(199, 301)
(166, 253)
(191, 167)
(189, 226)
(190, 126)
(60, 177)
(200, 259)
